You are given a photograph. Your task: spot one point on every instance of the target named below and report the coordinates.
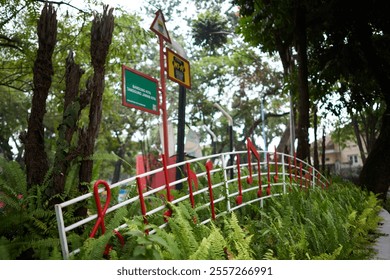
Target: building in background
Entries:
(342, 159)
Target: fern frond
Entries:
(167, 242)
(182, 228)
(217, 244)
(269, 255)
(202, 252)
(13, 176)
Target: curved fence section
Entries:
(212, 185)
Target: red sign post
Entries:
(158, 27)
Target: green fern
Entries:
(239, 241)
(182, 229)
(28, 223)
(217, 245)
(316, 224)
(202, 252)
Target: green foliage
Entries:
(317, 224)
(337, 223)
(210, 30)
(94, 248)
(28, 223)
(182, 239)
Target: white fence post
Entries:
(314, 177)
(61, 231)
(225, 178)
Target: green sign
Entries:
(139, 91)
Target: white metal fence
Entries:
(257, 176)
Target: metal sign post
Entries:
(163, 99)
(178, 70)
(158, 27)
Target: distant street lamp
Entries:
(214, 138)
(263, 123)
(230, 120)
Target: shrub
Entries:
(317, 224)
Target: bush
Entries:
(317, 224)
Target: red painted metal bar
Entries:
(318, 180)
(191, 177)
(268, 175)
(300, 172)
(169, 197)
(141, 200)
(252, 148)
(295, 166)
(101, 214)
(276, 165)
(239, 196)
(328, 183)
(209, 167)
(308, 176)
(163, 98)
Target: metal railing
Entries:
(258, 176)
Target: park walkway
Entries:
(382, 244)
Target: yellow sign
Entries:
(178, 69)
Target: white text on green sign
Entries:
(139, 91)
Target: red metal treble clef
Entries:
(102, 212)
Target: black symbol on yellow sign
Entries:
(178, 69)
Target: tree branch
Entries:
(9, 43)
(63, 3)
(258, 121)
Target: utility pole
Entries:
(230, 120)
(181, 124)
(180, 133)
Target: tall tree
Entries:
(74, 102)
(101, 37)
(279, 26)
(36, 161)
(64, 115)
(347, 40)
(354, 50)
(300, 36)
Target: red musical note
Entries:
(102, 212)
(251, 148)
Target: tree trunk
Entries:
(284, 141)
(74, 103)
(315, 148)
(375, 175)
(323, 157)
(36, 161)
(358, 137)
(101, 36)
(5, 148)
(303, 150)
